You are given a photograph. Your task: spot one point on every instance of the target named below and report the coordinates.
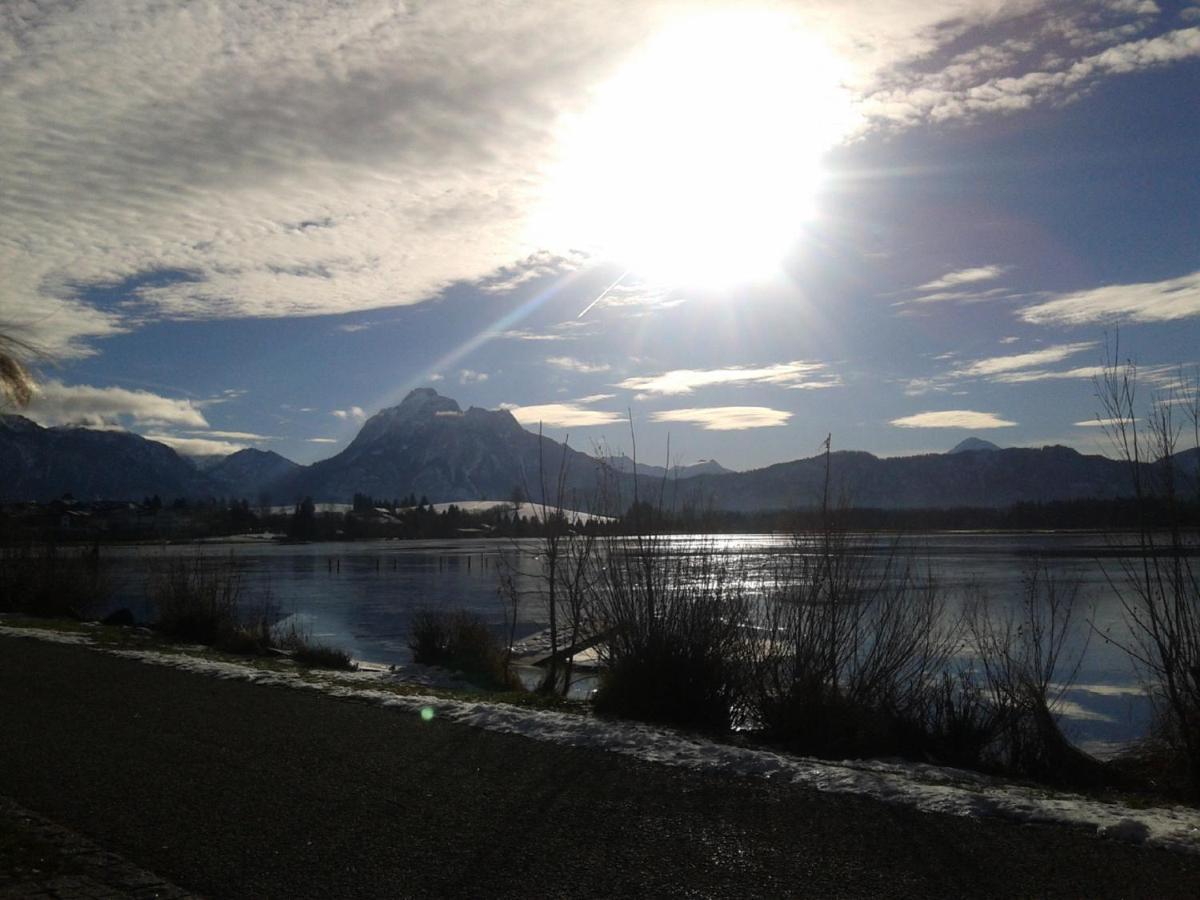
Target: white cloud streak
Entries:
(963, 276)
(998, 365)
(953, 418)
(353, 414)
(1025, 377)
(577, 365)
(725, 418)
(797, 374)
(56, 403)
(190, 446)
(562, 415)
(1157, 301)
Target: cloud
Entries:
(963, 276)
(1025, 74)
(196, 446)
(234, 435)
(577, 365)
(953, 418)
(1042, 375)
(1099, 423)
(296, 157)
(562, 415)
(533, 268)
(997, 365)
(959, 296)
(520, 335)
(796, 374)
(1157, 301)
(595, 398)
(322, 440)
(56, 403)
(470, 376)
(354, 413)
(725, 418)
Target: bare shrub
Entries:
(1023, 653)
(297, 640)
(202, 600)
(852, 649)
(673, 645)
(54, 582)
(1159, 585)
(462, 641)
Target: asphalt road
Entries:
(235, 790)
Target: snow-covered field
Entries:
(924, 787)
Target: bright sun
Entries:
(698, 162)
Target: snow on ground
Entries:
(925, 787)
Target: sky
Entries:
(228, 225)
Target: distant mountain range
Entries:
(626, 466)
(429, 446)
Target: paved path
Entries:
(234, 790)
(43, 861)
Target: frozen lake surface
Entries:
(361, 595)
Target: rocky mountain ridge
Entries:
(429, 446)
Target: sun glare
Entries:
(698, 163)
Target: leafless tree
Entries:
(1158, 586)
(1029, 663)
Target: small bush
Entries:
(323, 656)
(461, 641)
(304, 650)
(674, 625)
(197, 600)
(53, 583)
(683, 668)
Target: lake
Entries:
(360, 595)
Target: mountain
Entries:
(429, 447)
(39, 463)
(625, 465)
(972, 444)
(993, 479)
(250, 472)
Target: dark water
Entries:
(361, 595)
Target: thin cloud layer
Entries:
(562, 415)
(191, 446)
(56, 403)
(796, 374)
(577, 365)
(953, 418)
(999, 365)
(725, 418)
(1158, 301)
(963, 276)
